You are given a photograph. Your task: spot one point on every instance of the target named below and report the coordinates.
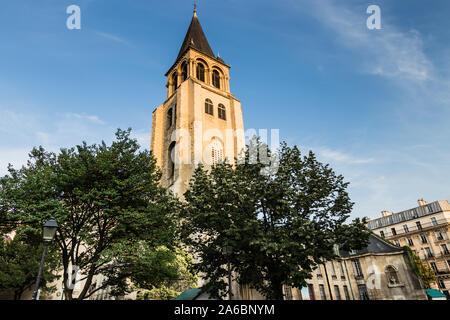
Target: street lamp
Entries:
(228, 251)
(48, 233)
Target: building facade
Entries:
(201, 120)
(425, 230)
(380, 271)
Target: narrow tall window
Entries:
(439, 235)
(357, 269)
(174, 82)
(287, 293)
(332, 270)
(382, 234)
(410, 242)
(169, 118)
(434, 221)
(419, 225)
(221, 112)
(405, 227)
(171, 160)
(445, 249)
(183, 71)
(174, 116)
(209, 108)
(424, 238)
(200, 72)
(216, 79)
(322, 292)
(311, 292)
(429, 253)
(347, 295)
(434, 267)
(394, 233)
(341, 268)
(337, 293)
(363, 294)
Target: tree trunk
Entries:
(18, 294)
(68, 294)
(277, 290)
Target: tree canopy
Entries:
(280, 223)
(113, 215)
(19, 262)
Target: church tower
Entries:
(201, 120)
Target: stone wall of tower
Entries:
(194, 130)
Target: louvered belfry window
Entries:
(216, 79)
(201, 72)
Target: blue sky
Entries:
(375, 104)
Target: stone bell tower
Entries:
(201, 120)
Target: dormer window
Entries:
(216, 79)
(200, 72)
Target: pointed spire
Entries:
(195, 38)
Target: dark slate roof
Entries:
(189, 294)
(376, 245)
(195, 38)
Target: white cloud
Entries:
(388, 52)
(339, 156)
(112, 37)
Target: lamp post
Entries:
(228, 251)
(48, 233)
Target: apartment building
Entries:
(425, 230)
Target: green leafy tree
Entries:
(173, 267)
(280, 224)
(421, 269)
(112, 212)
(19, 264)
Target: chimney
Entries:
(385, 213)
(422, 202)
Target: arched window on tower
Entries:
(169, 118)
(183, 71)
(209, 108)
(171, 160)
(174, 81)
(216, 79)
(221, 112)
(392, 275)
(200, 72)
(216, 154)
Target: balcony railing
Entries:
(400, 231)
(437, 255)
